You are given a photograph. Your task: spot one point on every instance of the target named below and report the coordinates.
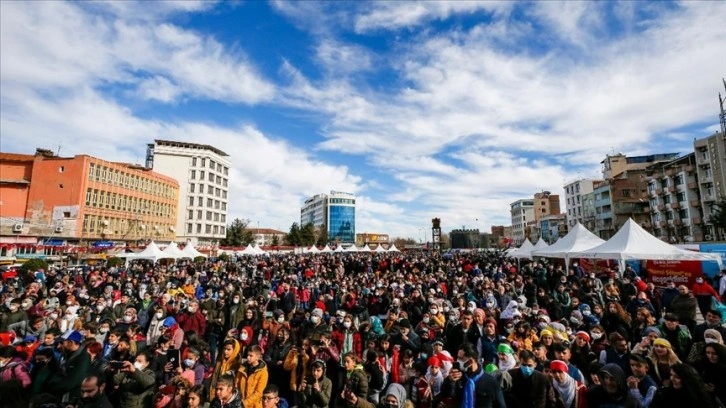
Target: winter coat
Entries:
(251, 382)
(16, 369)
(71, 374)
(291, 364)
(195, 322)
(236, 402)
(684, 306)
(317, 399)
(136, 389)
(357, 382)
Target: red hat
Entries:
(583, 335)
(558, 365)
(434, 362)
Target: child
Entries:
(195, 398)
(641, 385)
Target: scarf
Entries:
(347, 345)
(469, 389)
(509, 364)
(567, 390)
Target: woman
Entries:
(507, 359)
(98, 363)
(315, 391)
(662, 358)
(713, 369)
(710, 336)
(686, 389)
(356, 380)
(612, 293)
(645, 346)
(570, 393)
(174, 393)
(228, 362)
(616, 319)
(195, 398)
(582, 354)
(250, 320)
(376, 375)
(523, 335)
(275, 355)
(156, 326)
(599, 339)
(643, 320)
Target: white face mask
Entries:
(710, 340)
(434, 312)
(53, 316)
(138, 366)
(103, 330)
(159, 315)
(243, 336)
(347, 325)
(127, 319)
(426, 320)
(281, 319)
(595, 335)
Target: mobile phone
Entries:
(116, 365)
(174, 357)
(268, 315)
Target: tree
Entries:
(275, 240)
(718, 217)
(293, 237)
(322, 236)
(445, 241)
(238, 234)
(401, 242)
(223, 257)
(33, 265)
(307, 234)
(114, 262)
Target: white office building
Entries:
(203, 175)
(574, 192)
(522, 212)
(336, 211)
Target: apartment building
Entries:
(710, 153)
(574, 192)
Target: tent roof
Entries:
(365, 248)
(326, 249)
(151, 252)
(578, 239)
(191, 251)
(351, 248)
(379, 248)
(313, 250)
(393, 248)
(339, 248)
(541, 244)
(524, 251)
(633, 242)
(173, 251)
(247, 251)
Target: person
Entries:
(641, 385)
(685, 389)
(74, 367)
(229, 362)
(316, 390)
(568, 392)
(356, 381)
(530, 388)
(463, 332)
(684, 306)
(225, 393)
(612, 391)
(481, 390)
(394, 397)
(712, 321)
(253, 378)
(271, 398)
(12, 367)
(712, 368)
(617, 353)
(134, 382)
(662, 358)
(678, 335)
(195, 398)
(703, 292)
(92, 392)
(194, 366)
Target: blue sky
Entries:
(423, 109)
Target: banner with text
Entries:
(680, 272)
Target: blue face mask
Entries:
(526, 370)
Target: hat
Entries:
(662, 342)
(714, 334)
(490, 368)
(652, 329)
(30, 339)
(583, 335)
(169, 321)
(73, 336)
(439, 342)
(317, 312)
(558, 365)
(546, 332)
(434, 362)
(404, 323)
(505, 348)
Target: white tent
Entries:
(151, 252)
(633, 242)
(313, 250)
(524, 251)
(393, 248)
(173, 251)
(339, 248)
(326, 249)
(578, 239)
(379, 248)
(351, 248)
(365, 248)
(247, 251)
(258, 250)
(191, 252)
(541, 244)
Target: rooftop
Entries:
(187, 145)
(16, 157)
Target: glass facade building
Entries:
(335, 212)
(342, 223)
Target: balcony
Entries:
(658, 191)
(629, 208)
(709, 198)
(670, 172)
(696, 221)
(688, 168)
(672, 189)
(695, 203)
(675, 205)
(663, 223)
(661, 207)
(693, 185)
(677, 222)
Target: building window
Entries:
(221, 230)
(209, 216)
(91, 169)
(681, 197)
(219, 180)
(199, 228)
(219, 168)
(200, 202)
(89, 194)
(216, 204)
(217, 192)
(212, 164)
(223, 218)
(191, 214)
(216, 229)
(189, 228)
(194, 163)
(204, 162)
(207, 229)
(209, 203)
(669, 215)
(667, 199)
(191, 187)
(191, 201)
(226, 171)
(683, 214)
(211, 177)
(201, 175)
(216, 217)
(210, 189)
(679, 179)
(626, 192)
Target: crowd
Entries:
(358, 330)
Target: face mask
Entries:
(68, 303)
(347, 325)
(243, 336)
(14, 308)
(710, 340)
(526, 370)
(456, 292)
(314, 319)
(281, 319)
(446, 309)
(99, 307)
(53, 316)
(127, 319)
(509, 329)
(586, 313)
(426, 320)
(139, 366)
(188, 362)
(595, 335)
(194, 310)
(27, 306)
(235, 301)
(103, 330)
(159, 315)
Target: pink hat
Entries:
(558, 365)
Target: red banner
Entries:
(680, 272)
(596, 265)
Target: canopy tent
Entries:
(351, 248)
(365, 248)
(633, 242)
(379, 248)
(313, 250)
(326, 249)
(338, 248)
(151, 252)
(541, 244)
(173, 251)
(258, 250)
(393, 248)
(247, 251)
(191, 252)
(578, 239)
(524, 251)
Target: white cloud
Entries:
(159, 88)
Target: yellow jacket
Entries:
(290, 365)
(439, 319)
(251, 382)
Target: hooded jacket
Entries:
(597, 396)
(251, 382)
(317, 399)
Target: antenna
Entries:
(60, 145)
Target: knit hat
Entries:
(505, 348)
(317, 312)
(714, 334)
(662, 342)
(72, 335)
(434, 362)
(558, 365)
(490, 368)
(479, 312)
(583, 335)
(546, 332)
(652, 329)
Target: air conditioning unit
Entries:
(58, 230)
(18, 228)
(105, 223)
(171, 229)
(708, 237)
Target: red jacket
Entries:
(192, 321)
(704, 289)
(338, 336)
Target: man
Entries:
(253, 377)
(226, 396)
(617, 353)
(612, 390)
(641, 385)
(74, 367)
(134, 382)
(539, 350)
(677, 334)
(271, 398)
(713, 321)
(33, 327)
(530, 388)
(563, 353)
(407, 338)
(486, 392)
(462, 333)
(684, 307)
(92, 395)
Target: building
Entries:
(522, 212)
(335, 211)
(546, 203)
(83, 200)
(674, 204)
(371, 238)
(268, 236)
(465, 239)
(203, 175)
(552, 227)
(710, 155)
(574, 190)
(588, 208)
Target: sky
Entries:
(422, 109)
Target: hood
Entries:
(227, 363)
(618, 374)
(250, 333)
(399, 392)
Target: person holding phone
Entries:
(315, 390)
(135, 382)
